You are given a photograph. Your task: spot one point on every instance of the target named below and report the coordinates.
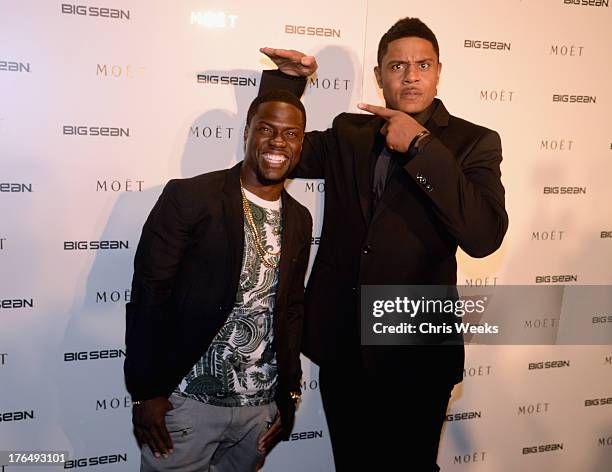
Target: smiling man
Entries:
(215, 318)
(404, 187)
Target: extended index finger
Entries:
(377, 110)
(283, 53)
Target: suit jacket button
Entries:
(367, 249)
(428, 187)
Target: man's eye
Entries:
(264, 129)
(424, 65)
(397, 66)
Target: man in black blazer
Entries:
(215, 319)
(403, 188)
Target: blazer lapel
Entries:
(438, 120)
(365, 154)
(391, 190)
(234, 223)
(288, 246)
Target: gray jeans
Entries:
(211, 438)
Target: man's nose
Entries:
(411, 74)
(278, 140)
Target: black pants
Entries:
(384, 423)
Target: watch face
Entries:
(422, 140)
(296, 397)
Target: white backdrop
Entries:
(134, 77)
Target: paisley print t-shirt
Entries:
(239, 367)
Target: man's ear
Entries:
(438, 77)
(378, 76)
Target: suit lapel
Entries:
(394, 186)
(234, 223)
(365, 154)
(438, 120)
(288, 247)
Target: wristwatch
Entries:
(296, 397)
(420, 140)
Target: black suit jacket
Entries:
(186, 274)
(447, 195)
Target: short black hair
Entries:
(407, 28)
(276, 95)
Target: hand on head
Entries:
(291, 62)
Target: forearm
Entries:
(275, 79)
(295, 309)
(468, 197)
(156, 264)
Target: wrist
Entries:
(296, 397)
(419, 140)
(289, 76)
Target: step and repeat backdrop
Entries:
(103, 101)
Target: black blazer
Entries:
(186, 274)
(449, 194)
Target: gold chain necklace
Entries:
(263, 252)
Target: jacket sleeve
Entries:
(295, 317)
(275, 79)
(295, 307)
(158, 256)
(467, 194)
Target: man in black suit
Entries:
(215, 319)
(403, 188)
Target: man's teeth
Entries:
(276, 158)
